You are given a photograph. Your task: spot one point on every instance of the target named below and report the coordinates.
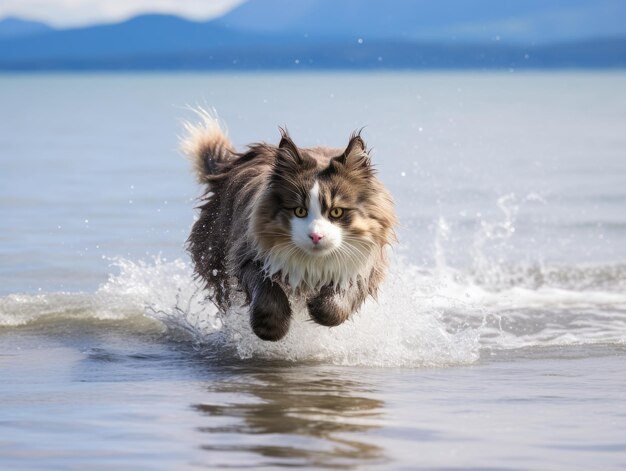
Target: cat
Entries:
(282, 222)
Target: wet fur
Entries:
(242, 240)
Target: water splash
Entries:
(435, 316)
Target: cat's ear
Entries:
(288, 147)
(356, 154)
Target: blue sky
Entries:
(65, 13)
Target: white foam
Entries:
(424, 317)
(394, 331)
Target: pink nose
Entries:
(316, 237)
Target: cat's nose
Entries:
(316, 237)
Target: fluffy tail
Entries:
(207, 145)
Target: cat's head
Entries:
(323, 210)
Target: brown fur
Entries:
(246, 213)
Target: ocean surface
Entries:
(498, 341)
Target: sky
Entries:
(66, 13)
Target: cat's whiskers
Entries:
(347, 252)
(274, 233)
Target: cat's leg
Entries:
(331, 307)
(270, 312)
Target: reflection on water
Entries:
(292, 418)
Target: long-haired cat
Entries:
(280, 222)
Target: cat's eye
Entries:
(300, 212)
(336, 213)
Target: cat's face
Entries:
(315, 226)
(323, 204)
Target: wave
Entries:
(423, 317)
(437, 316)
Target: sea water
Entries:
(497, 341)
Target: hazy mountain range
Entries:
(12, 27)
(298, 34)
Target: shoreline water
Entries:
(100, 399)
(499, 338)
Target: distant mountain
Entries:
(383, 55)
(146, 34)
(282, 34)
(513, 21)
(12, 27)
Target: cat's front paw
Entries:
(270, 314)
(325, 311)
